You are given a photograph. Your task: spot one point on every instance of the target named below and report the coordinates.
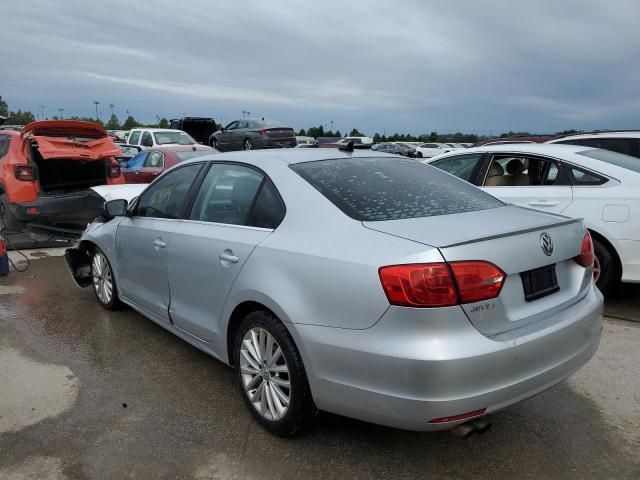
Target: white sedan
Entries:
(598, 185)
(431, 149)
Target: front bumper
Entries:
(413, 367)
(68, 212)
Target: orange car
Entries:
(46, 173)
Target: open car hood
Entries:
(70, 128)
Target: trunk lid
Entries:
(279, 132)
(510, 238)
(69, 128)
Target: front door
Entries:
(210, 248)
(142, 240)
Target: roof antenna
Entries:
(348, 147)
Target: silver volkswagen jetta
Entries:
(358, 283)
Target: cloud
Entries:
(408, 65)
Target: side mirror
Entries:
(115, 208)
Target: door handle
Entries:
(157, 243)
(227, 257)
(543, 203)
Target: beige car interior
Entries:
(515, 175)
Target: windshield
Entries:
(181, 138)
(182, 156)
(614, 158)
(375, 189)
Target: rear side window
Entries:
(614, 158)
(375, 189)
(227, 194)
(585, 178)
(268, 210)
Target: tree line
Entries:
(20, 117)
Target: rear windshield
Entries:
(375, 189)
(614, 158)
(181, 138)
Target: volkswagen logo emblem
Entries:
(547, 244)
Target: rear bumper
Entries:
(70, 211)
(276, 143)
(414, 366)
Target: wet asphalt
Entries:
(120, 397)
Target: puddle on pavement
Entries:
(42, 468)
(32, 391)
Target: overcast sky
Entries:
(407, 66)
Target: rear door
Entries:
(530, 181)
(142, 240)
(226, 223)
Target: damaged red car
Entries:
(46, 173)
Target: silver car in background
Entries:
(358, 283)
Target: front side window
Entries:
(523, 171)
(135, 136)
(166, 198)
(147, 141)
(227, 194)
(462, 166)
(384, 188)
(232, 126)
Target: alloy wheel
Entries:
(102, 279)
(265, 374)
(247, 144)
(597, 269)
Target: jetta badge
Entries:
(547, 244)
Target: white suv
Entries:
(621, 142)
(147, 138)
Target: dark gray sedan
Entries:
(249, 134)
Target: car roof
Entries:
(292, 156)
(158, 129)
(613, 134)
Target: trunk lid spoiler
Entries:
(446, 231)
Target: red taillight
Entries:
(114, 170)
(419, 285)
(441, 284)
(477, 280)
(462, 416)
(586, 256)
(24, 172)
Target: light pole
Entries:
(111, 106)
(61, 110)
(332, 125)
(96, 102)
(244, 113)
(41, 111)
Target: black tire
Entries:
(214, 144)
(113, 302)
(419, 154)
(8, 223)
(301, 409)
(609, 275)
(247, 144)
